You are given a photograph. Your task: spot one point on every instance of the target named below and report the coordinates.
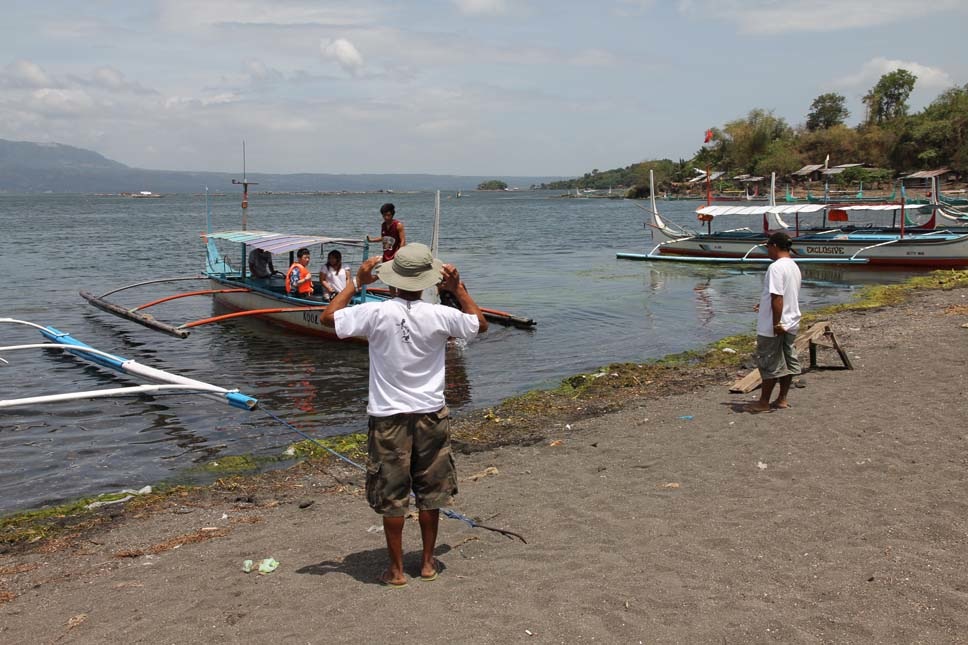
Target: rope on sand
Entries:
(449, 512)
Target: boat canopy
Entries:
(279, 242)
(716, 174)
(927, 174)
(717, 211)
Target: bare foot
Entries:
(388, 579)
(780, 405)
(757, 407)
(429, 571)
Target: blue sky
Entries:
(477, 87)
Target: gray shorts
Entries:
(776, 357)
(409, 452)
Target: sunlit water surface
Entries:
(530, 253)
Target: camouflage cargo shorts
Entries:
(776, 356)
(409, 452)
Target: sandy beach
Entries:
(677, 519)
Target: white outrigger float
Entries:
(161, 381)
(899, 244)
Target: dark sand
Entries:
(841, 520)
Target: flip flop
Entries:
(387, 583)
(433, 576)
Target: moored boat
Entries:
(232, 287)
(832, 240)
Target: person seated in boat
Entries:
(299, 280)
(391, 233)
(260, 264)
(333, 275)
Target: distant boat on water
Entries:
(144, 194)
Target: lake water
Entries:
(530, 253)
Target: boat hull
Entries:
(303, 322)
(917, 250)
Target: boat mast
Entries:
(245, 189)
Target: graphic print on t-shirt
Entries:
(404, 330)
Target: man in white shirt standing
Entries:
(408, 442)
(777, 324)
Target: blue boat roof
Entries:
(279, 242)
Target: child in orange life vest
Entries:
(299, 281)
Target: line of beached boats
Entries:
(931, 235)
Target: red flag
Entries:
(709, 136)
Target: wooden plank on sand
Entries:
(819, 333)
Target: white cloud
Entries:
(183, 102)
(62, 102)
(25, 74)
(112, 80)
(482, 7)
(773, 17)
(259, 72)
(343, 53)
(109, 77)
(870, 72)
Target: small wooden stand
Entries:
(818, 334)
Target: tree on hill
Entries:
(827, 110)
(741, 143)
(888, 99)
(890, 140)
(941, 130)
(493, 184)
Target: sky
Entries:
(465, 87)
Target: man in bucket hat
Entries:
(408, 442)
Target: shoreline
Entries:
(513, 421)
(658, 513)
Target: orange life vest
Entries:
(305, 288)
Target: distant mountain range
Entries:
(27, 167)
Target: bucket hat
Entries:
(414, 268)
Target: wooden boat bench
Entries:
(820, 334)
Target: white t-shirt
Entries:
(407, 343)
(336, 279)
(782, 278)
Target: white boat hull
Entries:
(921, 250)
(305, 322)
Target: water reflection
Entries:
(457, 389)
(704, 302)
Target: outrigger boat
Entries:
(897, 245)
(243, 295)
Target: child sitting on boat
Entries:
(299, 281)
(333, 276)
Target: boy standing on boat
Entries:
(777, 324)
(408, 442)
(299, 281)
(391, 233)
